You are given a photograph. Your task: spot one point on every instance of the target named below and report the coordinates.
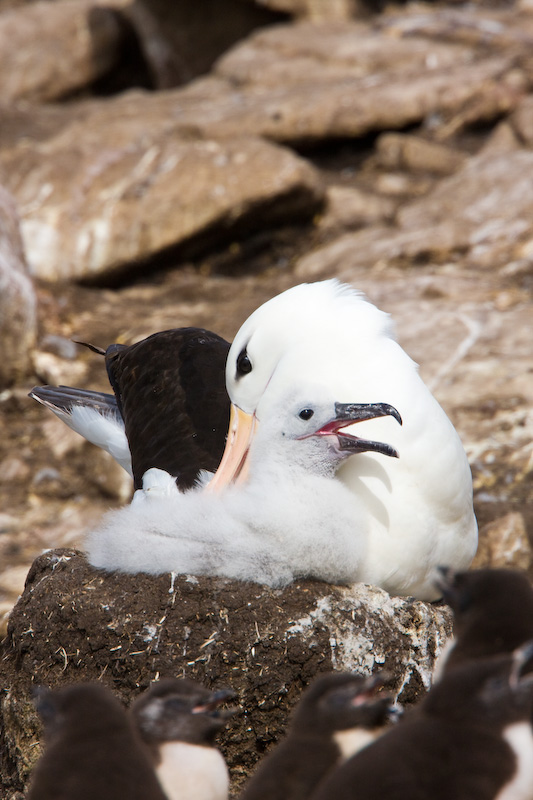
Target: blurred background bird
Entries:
(336, 716)
(178, 719)
(92, 749)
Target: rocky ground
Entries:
(169, 170)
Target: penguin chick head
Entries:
(183, 710)
(495, 605)
(339, 701)
(86, 705)
(497, 690)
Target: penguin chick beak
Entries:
(521, 664)
(349, 413)
(211, 706)
(358, 694)
(371, 687)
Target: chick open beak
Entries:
(242, 428)
(347, 414)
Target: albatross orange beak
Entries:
(234, 464)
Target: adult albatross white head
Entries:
(418, 508)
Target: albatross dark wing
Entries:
(65, 398)
(171, 392)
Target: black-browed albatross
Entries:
(414, 512)
(417, 510)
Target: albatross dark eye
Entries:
(306, 413)
(244, 365)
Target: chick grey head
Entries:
(305, 429)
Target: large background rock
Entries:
(74, 623)
(77, 192)
(51, 49)
(139, 163)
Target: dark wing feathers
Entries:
(64, 398)
(171, 390)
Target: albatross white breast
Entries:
(415, 512)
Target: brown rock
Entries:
(61, 439)
(108, 475)
(17, 297)
(502, 139)
(485, 210)
(12, 470)
(74, 623)
(49, 49)
(305, 111)
(403, 185)
(313, 54)
(486, 207)
(475, 24)
(504, 543)
(50, 368)
(374, 247)
(305, 82)
(182, 40)
(316, 10)
(25, 122)
(348, 207)
(403, 151)
(99, 197)
(12, 580)
(521, 120)
(111, 189)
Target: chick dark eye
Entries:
(244, 365)
(306, 413)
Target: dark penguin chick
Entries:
(469, 739)
(178, 720)
(92, 749)
(493, 613)
(337, 715)
(170, 409)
